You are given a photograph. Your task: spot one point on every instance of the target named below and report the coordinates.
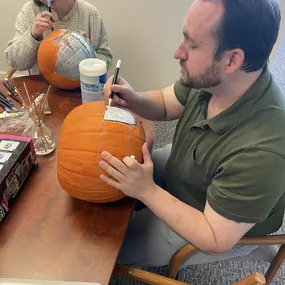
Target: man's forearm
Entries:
(150, 106)
(186, 221)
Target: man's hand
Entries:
(126, 93)
(132, 178)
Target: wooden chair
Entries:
(155, 279)
(186, 251)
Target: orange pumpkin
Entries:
(59, 56)
(85, 133)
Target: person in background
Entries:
(224, 175)
(34, 22)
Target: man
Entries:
(225, 176)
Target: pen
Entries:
(16, 98)
(9, 88)
(5, 98)
(8, 105)
(49, 7)
(3, 95)
(115, 79)
(10, 84)
(5, 108)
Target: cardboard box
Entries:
(17, 158)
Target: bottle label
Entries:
(92, 88)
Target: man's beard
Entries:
(209, 78)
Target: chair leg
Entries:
(178, 259)
(181, 274)
(275, 264)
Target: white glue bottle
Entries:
(93, 76)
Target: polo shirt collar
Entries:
(240, 109)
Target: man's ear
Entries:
(233, 59)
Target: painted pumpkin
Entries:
(59, 56)
(87, 131)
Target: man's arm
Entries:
(160, 105)
(243, 193)
(152, 105)
(208, 231)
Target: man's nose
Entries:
(180, 52)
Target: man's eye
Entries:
(192, 47)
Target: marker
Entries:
(115, 79)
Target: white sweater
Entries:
(21, 51)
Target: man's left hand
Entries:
(132, 178)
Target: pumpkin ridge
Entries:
(107, 132)
(119, 157)
(99, 155)
(85, 189)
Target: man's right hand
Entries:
(126, 96)
(43, 22)
(156, 105)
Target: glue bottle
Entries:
(93, 76)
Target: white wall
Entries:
(143, 34)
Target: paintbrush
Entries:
(115, 79)
(49, 8)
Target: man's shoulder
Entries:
(184, 93)
(275, 95)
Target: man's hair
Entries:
(250, 25)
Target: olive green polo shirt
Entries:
(236, 160)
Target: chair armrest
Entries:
(186, 251)
(263, 240)
(253, 279)
(180, 256)
(145, 276)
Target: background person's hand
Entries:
(43, 22)
(84, 34)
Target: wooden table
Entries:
(48, 235)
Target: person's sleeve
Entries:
(247, 186)
(21, 51)
(182, 92)
(100, 41)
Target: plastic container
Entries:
(93, 76)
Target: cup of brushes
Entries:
(41, 134)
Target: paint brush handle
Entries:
(49, 8)
(116, 75)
